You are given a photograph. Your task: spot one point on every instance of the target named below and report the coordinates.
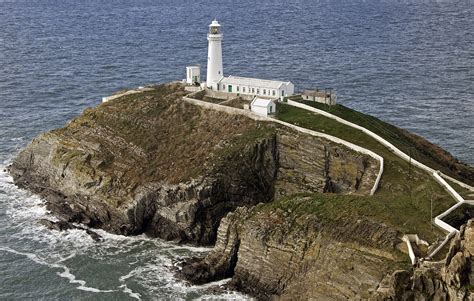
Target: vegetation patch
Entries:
(415, 146)
(407, 199)
(160, 136)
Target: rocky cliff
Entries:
(448, 279)
(151, 163)
(273, 251)
(276, 253)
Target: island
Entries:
(309, 200)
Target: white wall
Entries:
(263, 111)
(286, 90)
(289, 89)
(269, 92)
(215, 70)
(272, 106)
(191, 72)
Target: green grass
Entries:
(405, 194)
(411, 144)
(335, 207)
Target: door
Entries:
(229, 87)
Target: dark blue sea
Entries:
(410, 63)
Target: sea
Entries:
(410, 63)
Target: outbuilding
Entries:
(263, 106)
(255, 86)
(193, 75)
(326, 96)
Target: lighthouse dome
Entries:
(215, 23)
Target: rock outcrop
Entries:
(449, 279)
(152, 163)
(270, 252)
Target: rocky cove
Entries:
(151, 163)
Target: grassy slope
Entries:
(178, 141)
(411, 144)
(403, 200)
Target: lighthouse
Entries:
(214, 57)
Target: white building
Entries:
(214, 56)
(263, 106)
(234, 84)
(193, 75)
(255, 86)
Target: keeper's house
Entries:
(255, 87)
(327, 96)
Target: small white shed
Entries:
(193, 75)
(263, 106)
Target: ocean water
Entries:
(410, 63)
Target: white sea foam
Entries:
(130, 292)
(82, 284)
(65, 274)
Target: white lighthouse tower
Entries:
(214, 57)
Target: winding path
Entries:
(438, 176)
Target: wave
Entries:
(65, 274)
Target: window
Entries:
(253, 90)
(223, 87)
(258, 91)
(243, 89)
(273, 92)
(264, 92)
(282, 92)
(238, 88)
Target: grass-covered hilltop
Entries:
(293, 207)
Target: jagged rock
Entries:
(59, 226)
(296, 257)
(94, 235)
(449, 279)
(65, 225)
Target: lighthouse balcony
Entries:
(215, 37)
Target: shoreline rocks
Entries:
(64, 225)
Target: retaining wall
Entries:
(112, 97)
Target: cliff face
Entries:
(308, 164)
(152, 163)
(271, 252)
